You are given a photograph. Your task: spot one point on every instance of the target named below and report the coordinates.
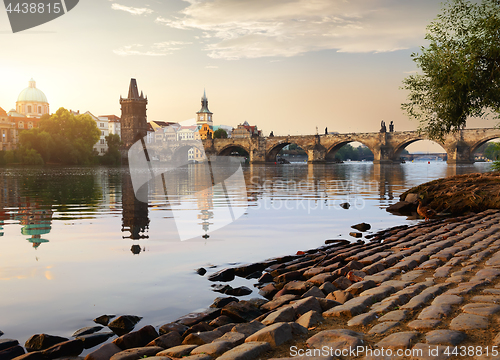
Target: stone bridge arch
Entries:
(336, 146)
(480, 143)
(399, 147)
(229, 148)
(310, 144)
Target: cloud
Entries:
(157, 49)
(285, 28)
(132, 10)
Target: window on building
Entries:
(39, 109)
(102, 133)
(102, 124)
(20, 125)
(29, 109)
(101, 141)
(102, 151)
(30, 125)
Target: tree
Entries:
(461, 68)
(492, 151)
(112, 155)
(61, 138)
(220, 134)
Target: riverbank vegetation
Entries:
(62, 138)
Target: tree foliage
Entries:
(112, 155)
(220, 134)
(60, 138)
(354, 153)
(460, 68)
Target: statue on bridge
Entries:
(391, 126)
(326, 131)
(271, 134)
(383, 129)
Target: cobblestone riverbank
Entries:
(429, 291)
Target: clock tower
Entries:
(204, 116)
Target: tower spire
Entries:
(133, 91)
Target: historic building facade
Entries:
(8, 132)
(101, 146)
(204, 119)
(245, 130)
(134, 125)
(32, 102)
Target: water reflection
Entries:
(135, 219)
(86, 213)
(36, 199)
(36, 221)
(30, 197)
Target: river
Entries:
(76, 244)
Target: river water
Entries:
(76, 244)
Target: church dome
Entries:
(32, 94)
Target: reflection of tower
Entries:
(134, 212)
(36, 222)
(205, 205)
(134, 125)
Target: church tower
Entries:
(134, 125)
(204, 116)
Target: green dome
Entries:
(32, 94)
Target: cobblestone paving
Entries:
(428, 291)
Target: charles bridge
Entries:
(385, 146)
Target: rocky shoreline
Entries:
(428, 287)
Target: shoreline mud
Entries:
(434, 287)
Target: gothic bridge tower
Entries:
(134, 124)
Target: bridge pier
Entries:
(459, 153)
(257, 157)
(383, 152)
(316, 154)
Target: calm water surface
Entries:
(75, 245)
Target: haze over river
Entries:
(66, 249)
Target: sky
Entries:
(287, 66)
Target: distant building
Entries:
(150, 134)
(114, 124)
(204, 119)
(206, 132)
(245, 131)
(32, 102)
(8, 132)
(31, 105)
(204, 116)
(186, 133)
(101, 146)
(160, 127)
(170, 133)
(195, 154)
